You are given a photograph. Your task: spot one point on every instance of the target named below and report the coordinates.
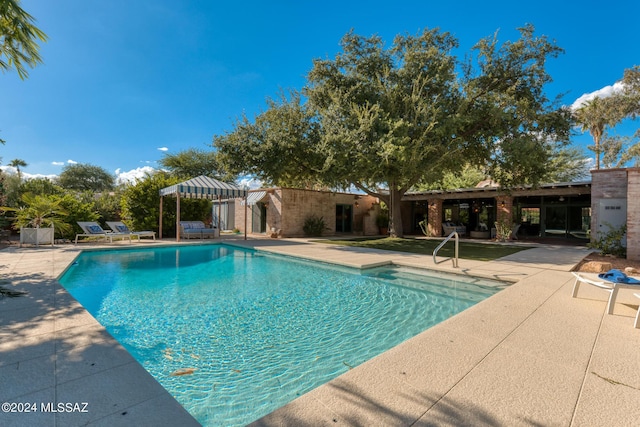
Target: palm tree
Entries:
(41, 211)
(18, 36)
(591, 117)
(595, 115)
(17, 163)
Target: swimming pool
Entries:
(234, 334)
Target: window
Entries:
(530, 215)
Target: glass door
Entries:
(344, 218)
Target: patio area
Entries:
(530, 355)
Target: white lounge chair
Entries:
(611, 287)
(93, 229)
(637, 323)
(121, 227)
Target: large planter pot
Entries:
(480, 234)
(36, 236)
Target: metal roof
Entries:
(204, 187)
(254, 197)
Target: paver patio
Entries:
(530, 355)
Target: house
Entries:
(283, 212)
(578, 211)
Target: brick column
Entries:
(435, 217)
(505, 209)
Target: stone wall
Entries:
(288, 208)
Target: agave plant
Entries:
(41, 211)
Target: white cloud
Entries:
(605, 92)
(26, 175)
(131, 176)
(72, 162)
(163, 149)
(251, 182)
(39, 175)
(8, 169)
(57, 163)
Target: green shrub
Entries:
(424, 226)
(503, 231)
(314, 226)
(610, 243)
(140, 205)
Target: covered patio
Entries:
(201, 187)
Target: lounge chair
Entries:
(637, 323)
(196, 230)
(93, 229)
(121, 227)
(612, 282)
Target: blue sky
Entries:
(126, 81)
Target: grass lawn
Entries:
(468, 250)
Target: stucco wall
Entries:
(622, 186)
(633, 214)
(606, 184)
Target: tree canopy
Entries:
(18, 38)
(83, 177)
(601, 114)
(385, 119)
(191, 163)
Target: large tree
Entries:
(280, 146)
(18, 38)
(385, 119)
(191, 163)
(631, 92)
(85, 177)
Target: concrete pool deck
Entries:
(530, 355)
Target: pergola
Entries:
(201, 187)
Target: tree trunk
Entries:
(395, 214)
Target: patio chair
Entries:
(449, 227)
(93, 229)
(121, 227)
(514, 231)
(612, 282)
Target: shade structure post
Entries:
(177, 217)
(219, 212)
(160, 225)
(245, 217)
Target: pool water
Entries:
(234, 334)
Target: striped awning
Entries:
(254, 197)
(204, 187)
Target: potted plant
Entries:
(382, 221)
(38, 219)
